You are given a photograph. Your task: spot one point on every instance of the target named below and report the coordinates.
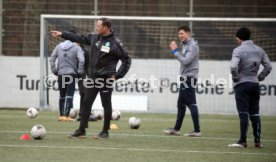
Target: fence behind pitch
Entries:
(147, 40)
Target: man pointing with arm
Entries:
(106, 51)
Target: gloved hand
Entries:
(174, 51)
(174, 47)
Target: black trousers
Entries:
(81, 92)
(91, 92)
(187, 97)
(247, 97)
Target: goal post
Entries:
(147, 40)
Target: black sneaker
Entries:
(102, 135)
(259, 145)
(78, 134)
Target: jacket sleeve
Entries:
(86, 59)
(267, 66)
(77, 38)
(53, 58)
(234, 67)
(122, 53)
(81, 59)
(191, 53)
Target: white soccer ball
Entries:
(98, 114)
(134, 123)
(92, 117)
(32, 112)
(116, 115)
(38, 132)
(73, 113)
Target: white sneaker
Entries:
(172, 131)
(193, 134)
(241, 145)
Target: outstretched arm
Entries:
(56, 33)
(73, 37)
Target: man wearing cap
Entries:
(245, 63)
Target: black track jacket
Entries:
(105, 52)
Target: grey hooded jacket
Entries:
(70, 59)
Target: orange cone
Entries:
(25, 137)
(113, 126)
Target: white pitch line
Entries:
(144, 135)
(168, 136)
(137, 149)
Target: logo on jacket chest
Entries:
(106, 48)
(97, 44)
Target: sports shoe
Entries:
(67, 118)
(102, 135)
(238, 144)
(172, 131)
(78, 134)
(193, 134)
(259, 145)
(61, 118)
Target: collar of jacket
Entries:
(110, 35)
(189, 41)
(247, 42)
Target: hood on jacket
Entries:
(66, 45)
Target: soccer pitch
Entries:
(146, 144)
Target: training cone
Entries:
(25, 137)
(113, 126)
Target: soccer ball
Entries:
(134, 123)
(92, 117)
(116, 114)
(38, 132)
(73, 113)
(32, 112)
(98, 114)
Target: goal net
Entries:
(152, 82)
